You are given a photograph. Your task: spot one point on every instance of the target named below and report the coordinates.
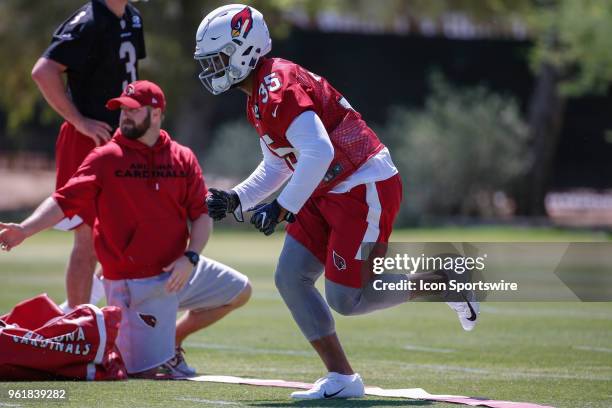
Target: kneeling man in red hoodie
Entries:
(151, 225)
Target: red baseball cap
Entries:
(139, 94)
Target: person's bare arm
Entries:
(201, 229)
(48, 75)
(45, 216)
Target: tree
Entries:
(571, 58)
(25, 34)
(170, 26)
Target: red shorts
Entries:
(334, 226)
(71, 149)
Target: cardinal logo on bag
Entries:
(149, 320)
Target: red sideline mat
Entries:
(413, 393)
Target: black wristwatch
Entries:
(193, 257)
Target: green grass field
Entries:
(558, 354)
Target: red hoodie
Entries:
(142, 196)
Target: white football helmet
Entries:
(240, 33)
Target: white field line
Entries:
(285, 370)
(571, 314)
(256, 350)
(588, 348)
(413, 347)
(505, 373)
(443, 367)
(502, 373)
(251, 350)
(210, 402)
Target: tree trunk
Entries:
(546, 110)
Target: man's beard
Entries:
(134, 131)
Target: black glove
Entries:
(266, 216)
(221, 202)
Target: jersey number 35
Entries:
(272, 83)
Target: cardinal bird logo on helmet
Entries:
(242, 23)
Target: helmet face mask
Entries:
(229, 42)
(215, 75)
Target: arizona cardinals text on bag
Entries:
(39, 342)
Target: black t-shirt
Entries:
(101, 53)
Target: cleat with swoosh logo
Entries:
(467, 312)
(334, 385)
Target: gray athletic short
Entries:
(148, 325)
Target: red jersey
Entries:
(282, 90)
(39, 342)
(143, 197)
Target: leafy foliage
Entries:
(582, 30)
(576, 38)
(465, 145)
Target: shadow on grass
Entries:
(357, 403)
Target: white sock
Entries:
(97, 290)
(65, 308)
(347, 377)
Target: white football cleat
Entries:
(467, 312)
(334, 385)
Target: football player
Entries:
(343, 189)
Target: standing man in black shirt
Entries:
(98, 48)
